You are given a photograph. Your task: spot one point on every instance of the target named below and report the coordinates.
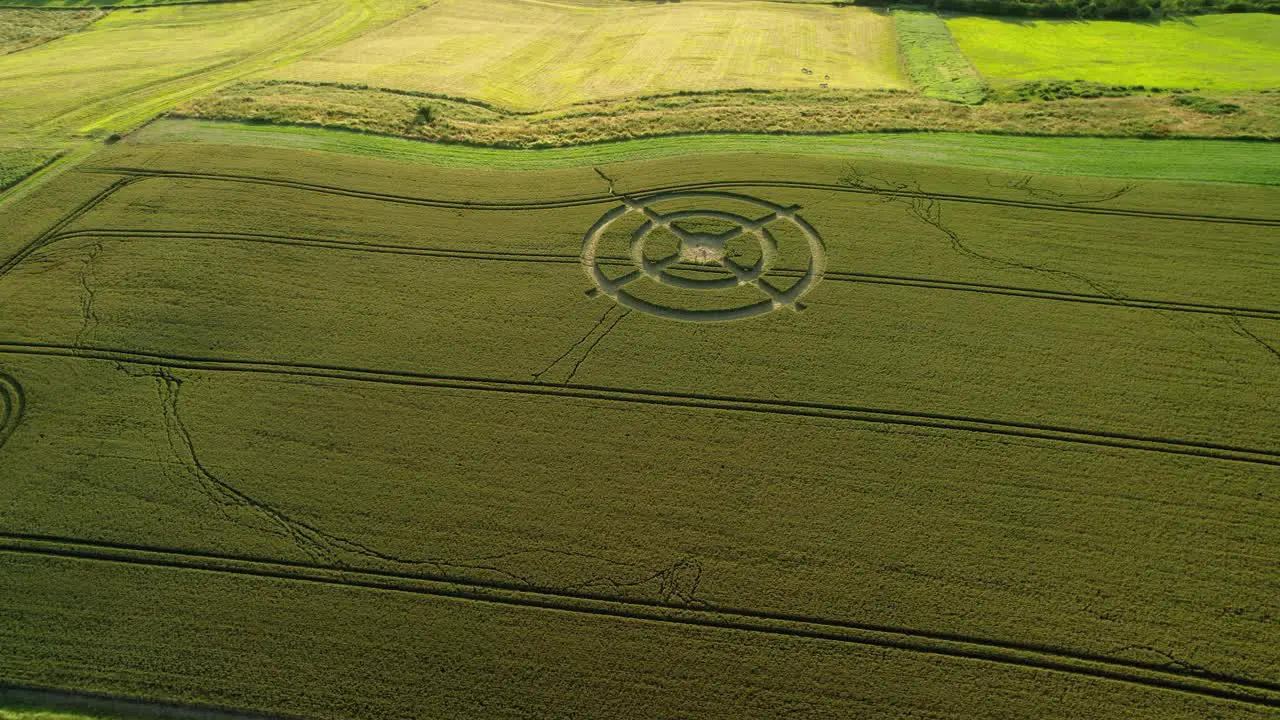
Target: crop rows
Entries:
(1161, 676)
(712, 402)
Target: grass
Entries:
(525, 54)
(291, 447)
(1179, 160)
(1216, 52)
(21, 29)
(790, 113)
(933, 60)
(17, 163)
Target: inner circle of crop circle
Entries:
(706, 251)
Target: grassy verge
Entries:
(1195, 160)
(449, 120)
(933, 60)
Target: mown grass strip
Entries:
(933, 60)
(1228, 161)
(133, 174)
(1259, 693)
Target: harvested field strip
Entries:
(1034, 431)
(567, 259)
(1253, 692)
(142, 173)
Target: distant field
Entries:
(130, 65)
(1018, 444)
(1228, 52)
(107, 3)
(526, 54)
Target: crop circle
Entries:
(695, 251)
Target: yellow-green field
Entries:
(528, 54)
(132, 64)
(1226, 52)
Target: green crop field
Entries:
(329, 435)
(528, 54)
(1228, 52)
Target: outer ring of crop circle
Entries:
(612, 287)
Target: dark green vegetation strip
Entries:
(1091, 9)
(933, 60)
(16, 165)
(799, 626)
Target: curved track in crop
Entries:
(12, 403)
(1168, 677)
(829, 411)
(125, 235)
(711, 185)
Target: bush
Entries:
(1093, 9)
(1206, 105)
(1064, 89)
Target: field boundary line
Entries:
(709, 185)
(1202, 683)
(829, 411)
(573, 259)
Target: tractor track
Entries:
(598, 199)
(12, 403)
(1170, 676)
(829, 411)
(569, 259)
